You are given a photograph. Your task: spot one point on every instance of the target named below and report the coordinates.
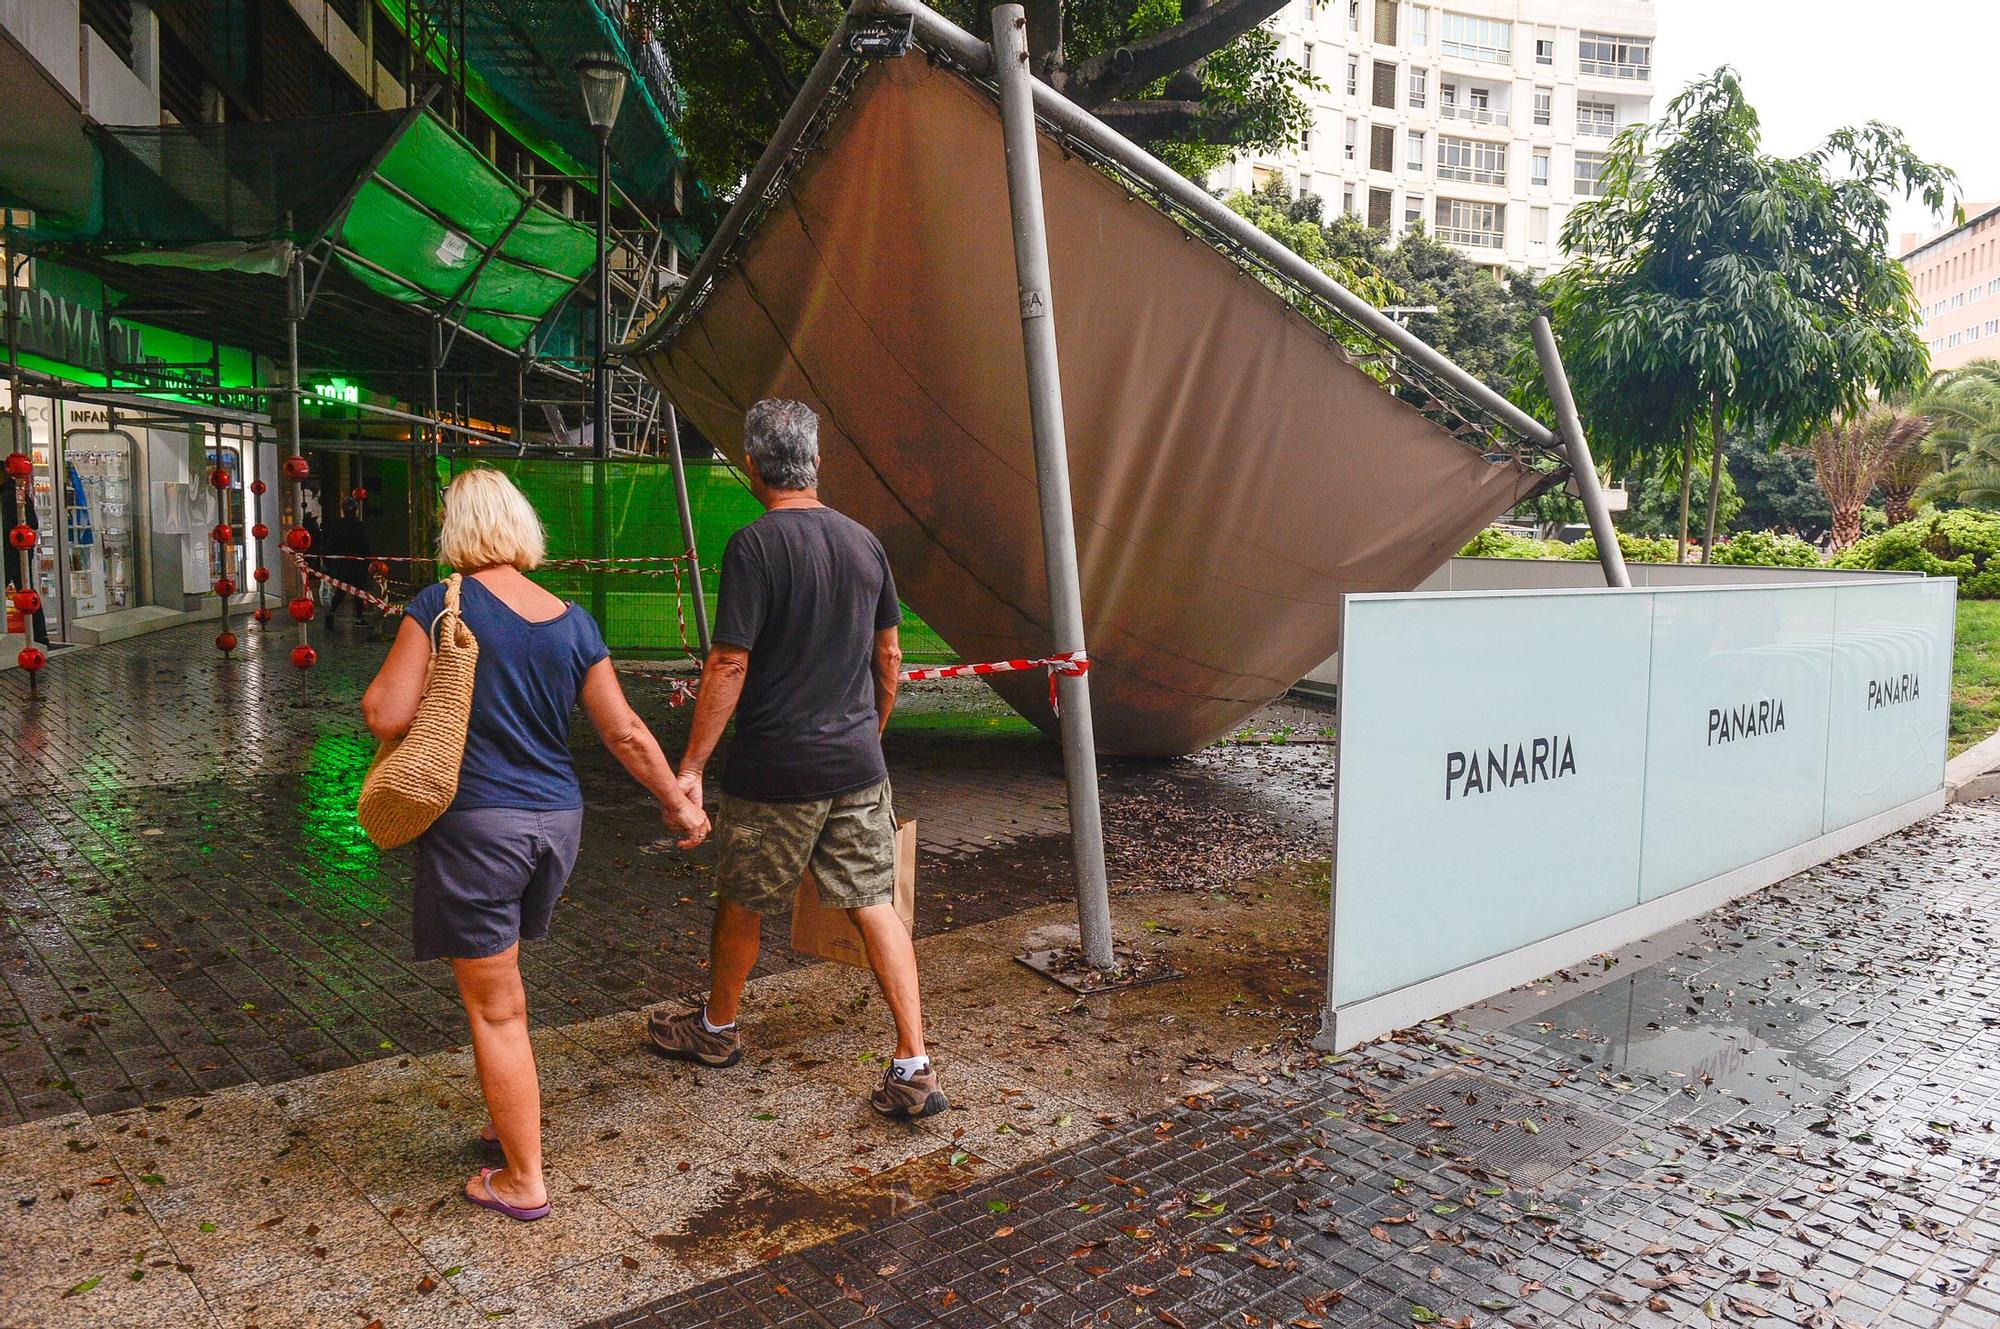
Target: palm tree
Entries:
(1964, 406)
(1851, 456)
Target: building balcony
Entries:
(1626, 73)
(1456, 235)
(1587, 127)
(1478, 115)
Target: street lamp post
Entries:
(602, 78)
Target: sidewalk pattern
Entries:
(1797, 1126)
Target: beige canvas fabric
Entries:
(1232, 475)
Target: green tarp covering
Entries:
(424, 224)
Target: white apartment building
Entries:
(1486, 119)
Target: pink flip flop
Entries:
(500, 1206)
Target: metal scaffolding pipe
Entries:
(1569, 428)
(1045, 411)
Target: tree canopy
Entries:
(1192, 79)
(1713, 283)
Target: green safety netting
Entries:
(520, 61)
(437, 225)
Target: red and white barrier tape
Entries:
(310, 574)
(1075, 664)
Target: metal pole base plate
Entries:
(1064, 965)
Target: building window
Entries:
(1545, 99)
(1596, 119)
(1306, 58)
(1385, 22)
(1472, 161)
(1420, 83)
(1538, 169)
(1590, 172)
(1413, 211)
(1354, 15)
(1474, 106)
(1379, 203)
(1306, 142)
(1381, 147)
(1347, 200)
(1420, 28)
(1545, 50)
(1353, 76)
(1608, 56)
(1538, 226)
(1352, 134)
(1415, 160)
(1384, 89)
(1472, 38)
(1481, 225)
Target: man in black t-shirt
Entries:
(805, 656)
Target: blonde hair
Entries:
(488, 522)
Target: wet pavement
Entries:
(234, 1101)
(1786, 1116)
(190, 904)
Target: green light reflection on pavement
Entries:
(338, 864)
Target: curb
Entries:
(1974, 773)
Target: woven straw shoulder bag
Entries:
(412, 781)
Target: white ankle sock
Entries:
(715, 1028)
(906, 1068)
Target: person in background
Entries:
(805, 657)
(489, 871)
(345, 545)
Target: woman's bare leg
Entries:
(497, 1006)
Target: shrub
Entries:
(1766, 549)
(1496, 543)
(1636, 548)
(1962, 543)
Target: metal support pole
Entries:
(600, 384)
(687, 527)
(295, 299)
(1038, 335)
(1569, 430)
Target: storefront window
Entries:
(103, 569)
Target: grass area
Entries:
(1975, 674)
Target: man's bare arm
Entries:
(722, 676)
(888, 675)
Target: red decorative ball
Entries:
(31, 659)
(379, 568)
(225, 642)
(299, 538)
(28, 602)
(222, 533)
(219, 478)
(301, 609)
(19, 466)
(22, 537)
(298, 468)
(225, 587)
(259, 531)
(359, 494)
(304, 657)
(258, 486)
(262, 615)
(260, 575)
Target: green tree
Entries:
(1193, 79)
(1778, 488)
(1964, 407)
(1714, 284)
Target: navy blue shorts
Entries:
(489, 877)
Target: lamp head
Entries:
(602, 78)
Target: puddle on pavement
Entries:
(1646, 1025)
(761, 1216)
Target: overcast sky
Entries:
(1929, 67)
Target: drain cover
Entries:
(1487, 1125)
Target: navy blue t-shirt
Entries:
(525, 686)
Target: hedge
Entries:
(1961, 543)
(1767, 549)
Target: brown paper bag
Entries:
(827, 933)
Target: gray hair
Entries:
(782, 437)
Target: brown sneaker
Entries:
(918, 1096)
(683, 1036)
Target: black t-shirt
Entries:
(805, 590)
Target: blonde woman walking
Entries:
(489, 871)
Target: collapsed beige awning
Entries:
(1233, 473)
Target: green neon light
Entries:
(338, 390)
